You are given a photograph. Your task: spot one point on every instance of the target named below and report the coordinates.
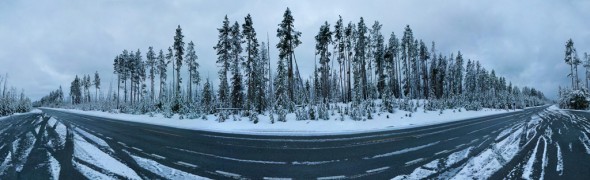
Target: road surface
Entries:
(533, 143)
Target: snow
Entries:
(457, 156)
(559, 167)
(528, 169)
(62, 131)
(419, 173)
(95, 139)
(52, 121)
(54, 168)
(162, 170)
(545, 159)
(586, 142)
(22, 148)
(380, 122)
(490, 160)
(90, 173)
(480, 167)
(91, 154)
(5, 164)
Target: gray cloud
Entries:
(44, 44)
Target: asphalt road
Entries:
(378, 155)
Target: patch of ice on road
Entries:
(91, 154)
(528, 168)
(162, 170)
(403, 151)
(54, 167)
(94, 139)
(559, 167)
(89, 172)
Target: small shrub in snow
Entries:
(254, 117)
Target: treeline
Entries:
(11, 101)
(578, 95)
(355, 65)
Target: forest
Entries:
(359, 70)
(11, 101)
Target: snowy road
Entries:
(532, 144)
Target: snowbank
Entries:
(336, 125)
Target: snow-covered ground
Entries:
(15, 114)
(336, 125)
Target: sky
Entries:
(45, 44)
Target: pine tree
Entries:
(289, 40)
(169, 58)
(223, 49)
(151, 64)
(96, 84)
(323, 39)
(406, 50)
(75, 92)
(207, 100)
(162, 68)
(339, 49)
(262, 79)
(193, 65)
(179, 52)
(360, 54)
(236, 50)
(458, 76)
(433, 73)
(571, 58)
(280, 84)
(253, 72)
(119, 71)
(349, 37)
(424, 56)
(379, 58)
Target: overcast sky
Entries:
(44, 44)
